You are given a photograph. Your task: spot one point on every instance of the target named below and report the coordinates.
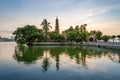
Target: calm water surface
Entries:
(58, 63)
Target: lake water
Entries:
(58, 63)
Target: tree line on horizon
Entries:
(30, 34)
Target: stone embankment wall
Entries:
(114, 45)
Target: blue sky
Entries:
(98, 14)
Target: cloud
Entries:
(80, 15)
(69, 12)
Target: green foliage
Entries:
(56, 37)
(78, 34)
(70, 29)
(60, 38)
(79, 39)
(71, 36)
(28, 33)
(53, 35)
(97, 34)
(105, 38)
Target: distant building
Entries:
(57, 26)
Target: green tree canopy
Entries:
(71, 36)
(56, 37)
(105, 38)
(97, 34)
(78, 34)
(28, 33)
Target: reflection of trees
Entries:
(45, 63)
(105, 53)
(84, 53)
(55, 53)
(79, 54)
(72, 51)
(57, 62)
(27, 54)
(119, 58)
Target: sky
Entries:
(103, 15)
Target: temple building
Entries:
(57, 26)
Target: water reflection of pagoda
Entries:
(49, 56)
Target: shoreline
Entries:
(111, 45)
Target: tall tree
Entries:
(83, 32)
(99, 35)
(77, 28)
(83, 28)
(113, 37)
(96, 34)
(46, 27)
(105, 38)
(118, 37)
(78, 34)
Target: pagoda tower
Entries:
(57, 25)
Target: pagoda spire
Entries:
(57, 25)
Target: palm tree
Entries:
(118, 37)
(77, 29)
(113, 37)
(46, 26)
(83, 28)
